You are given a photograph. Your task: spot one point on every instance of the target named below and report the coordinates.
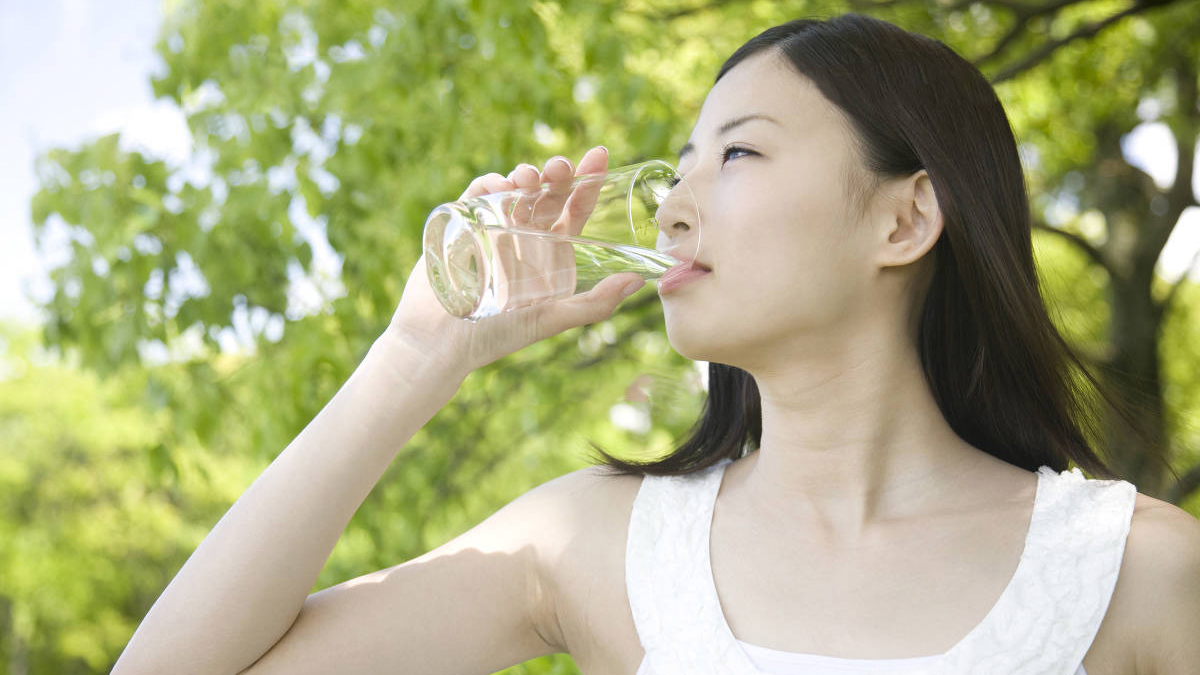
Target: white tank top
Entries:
(1043, 623)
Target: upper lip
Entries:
(692, 263)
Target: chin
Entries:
(700, 338)
(735, 338)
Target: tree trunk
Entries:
(15, 648)
(1134, 372)
(1140, 219)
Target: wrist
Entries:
(407, 362)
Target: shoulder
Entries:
(577, 505)
(1163, 543)
(1161, 577)
(591, 494)
(582, 520)
(600, 504)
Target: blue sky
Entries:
(70, 70)
(75, 69)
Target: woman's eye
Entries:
(726, 152)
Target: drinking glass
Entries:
(506, 250)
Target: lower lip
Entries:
(676, 277)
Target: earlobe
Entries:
(915, 221)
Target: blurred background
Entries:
(209, 208)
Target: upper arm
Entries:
(1164, 550)
(477, 604)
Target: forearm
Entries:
(243, 587)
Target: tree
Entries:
(1077, 77)
(95, 511)
(326, 131)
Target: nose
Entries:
(678, 220)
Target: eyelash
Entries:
(723, 157)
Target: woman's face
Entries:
(789, 263)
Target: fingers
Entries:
(582, 201)
(486, 185)
(594, 161)
(558, 176)
(558, 169)
(525, 176)
(554, 207)
(526, 179)
(595, 305)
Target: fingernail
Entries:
(564, 160)
(631, 288)
(603, 148)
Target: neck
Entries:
(854, 440)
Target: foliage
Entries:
(97, 513)
(324, 132)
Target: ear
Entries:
(912, 221)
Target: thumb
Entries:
(594, 305)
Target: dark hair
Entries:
(1004, 378)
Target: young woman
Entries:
(879, 483)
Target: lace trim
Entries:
(1042, 624)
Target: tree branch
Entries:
(1165, 305)
(1185, 486)
(1082, 244)
(1180, 196)
(686, 11)
(1009, 37)
(869, 5)
(1186, 99)
(1024, 14)
(1086, 31)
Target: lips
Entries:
(691, 263)
(680, 275)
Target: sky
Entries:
(71, 70)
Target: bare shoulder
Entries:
(1160, 576)
(585, 548)
(594, 481)
(578, 505)
(590, 497)
(1163, 538)
(595, 505)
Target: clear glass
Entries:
(499, 252)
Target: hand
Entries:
(463, 346)
(529, 270)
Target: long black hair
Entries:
(1004, 378)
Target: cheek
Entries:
(787, 260)
(794, 230)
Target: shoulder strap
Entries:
(1043, 624)
(1047, 619)
(666, 556)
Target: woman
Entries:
(879, 482)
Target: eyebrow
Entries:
(730, 126)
